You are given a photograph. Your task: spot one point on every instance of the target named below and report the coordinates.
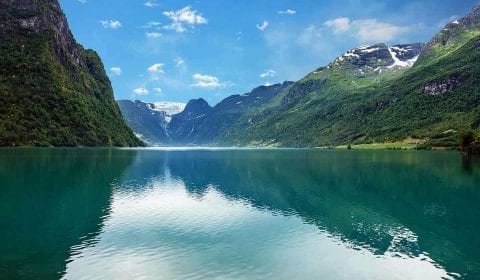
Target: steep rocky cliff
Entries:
(52, 90)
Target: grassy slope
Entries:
(391, 109)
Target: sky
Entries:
(175, 50)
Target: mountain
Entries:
(201, 124)
(378, 94)
(149, 120)
(52, 90)
(355, 69)
(196, 123)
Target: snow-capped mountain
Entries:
(373, 59)
(149, 120)
(170, 108)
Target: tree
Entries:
(466, 138)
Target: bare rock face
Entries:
(23, 5)
(436, 88)
(41, 16)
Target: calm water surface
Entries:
(238, 214)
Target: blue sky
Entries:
(171, 50)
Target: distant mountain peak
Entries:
(196, 103)
(375, 58)
(452, 32)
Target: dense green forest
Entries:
(52, 91)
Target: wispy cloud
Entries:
(153, 35)
(338, 25)
(311, 38)
(287, 12)
(113, 24)
(116, 71)
(179, 62)
(156, 70)
(152, 24)
(366, 30)
(151, 4)
(140, 91)
(372, 30)
(262, 26)
(184, 19)
(268, 74)
(157, 90)
(206, 81)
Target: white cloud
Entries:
(116, 71)
(268, 74)
(206, 81)
(371, 30)
(153, 35)
(366, 30)
(140, 91)
(113, 24)
(267, 84)
(151, 4)
(287, 12)
(310, 36)
(338, 25)
(262, 26)
(152, 24)
(157, 90)
(82, 1)
(183, 19)
(179, 61)
(156, 68)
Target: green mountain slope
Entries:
(334, 105)
(52, 91)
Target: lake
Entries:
(238, 214)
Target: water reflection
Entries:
(471, 163)
(288, 214)
(256, 214)
(50, 200)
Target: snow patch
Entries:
(400, 63)
(370, 50)
(170, 108)
(350, 54)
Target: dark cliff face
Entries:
(186, 126)
(42, 16)
(53, 92)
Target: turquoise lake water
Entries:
(238, 214)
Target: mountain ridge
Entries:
(198, 123)
(374, 93)
(332, 106)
